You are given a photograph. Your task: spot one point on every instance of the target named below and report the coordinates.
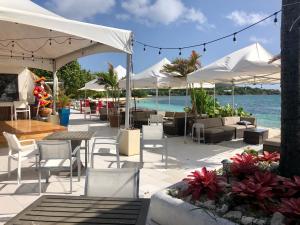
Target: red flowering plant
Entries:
(292, 186)
(257, 189)
(204, 183)
(269, 157)
(243, 165)
(290, 208)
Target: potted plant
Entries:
(110, 81)
(63, 104)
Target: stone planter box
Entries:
(166, 210)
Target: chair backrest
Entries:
(119, 183)
(12, 141)
(20, 104)
(156, 118)
(54, 150)
(152, 132)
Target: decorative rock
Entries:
(277, 219)
(247, 220)
(236, 215)
(210, 204)
(259, 222)
(224, 209)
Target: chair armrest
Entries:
(76, 150)
(28, 140)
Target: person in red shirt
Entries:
(42, 98)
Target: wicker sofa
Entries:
(272, 144)
(141, 117)
(224, 129)
(233, 121)
(175, 125)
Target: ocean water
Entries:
(266, 108)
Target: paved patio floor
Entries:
(182, 159)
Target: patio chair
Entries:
(87, 110)
(118, 183)
(19, 152)
(21, 107)
(57, 155)
(105, 144)
(155, 119)
(153, 138)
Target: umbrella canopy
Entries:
(93, 86)
(248, 65)
(32, 36)
(121, 72)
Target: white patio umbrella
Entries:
(35, 37)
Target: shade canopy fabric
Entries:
(32, 36)
(93, 86)
(249, 65)
(120, 71)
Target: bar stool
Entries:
(199, 128)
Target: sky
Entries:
(174, 23)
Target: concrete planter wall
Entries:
(166, 210)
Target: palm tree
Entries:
(110, 81)
(290, 89)
(182, 67)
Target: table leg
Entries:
(11, 113)
(85, 152)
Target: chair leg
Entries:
(71, 176)
(47, 176)
(166, 152)
(40, 178)
(92, 160)
(78, 168)
(8, 167)
(19, 169)
(118, 156)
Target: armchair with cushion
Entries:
(240, 124)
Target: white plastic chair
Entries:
(57, 155)
(118, 183)
(21, 107)
(102, 145)
(199, 129)
(87, 110)
(19, 152)
(153, 138)
(155, 119)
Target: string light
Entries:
(23, 56)
(275, 17)
(10, 53)
(13, 44)
(91, 41)
(50, 41)
(144, 47)
(32, 56)
(234, 37)
(69, 41)
(204, 47)
(179, 51)
(159, 51)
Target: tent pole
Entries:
(128, 91)
(169, 97)
(55, 85)
(185, 114)
(214, 98)
(107, 105)
(156, 99)
(232, 97)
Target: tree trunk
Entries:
(290, 89)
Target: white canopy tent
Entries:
(32, 36)
(249, 65)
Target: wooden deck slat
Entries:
(106, 215)
(92, 210)
(55, 218)
(81, 201)
(85, 206)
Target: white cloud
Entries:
(260, 40)
(163, 12)
(242, 18)
(123, 16)
(80, 9)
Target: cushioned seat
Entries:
(272, 144)
(209, 131)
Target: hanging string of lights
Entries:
(204, 44)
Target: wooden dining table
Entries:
(71, 210)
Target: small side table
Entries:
(255, 136)
(199, 128)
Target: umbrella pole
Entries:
(232, 98)
(157, 100)
(107, 105)
(185, 114)
(169, 97)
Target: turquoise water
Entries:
(266, 108)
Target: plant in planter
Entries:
(63, 104)
(110, 80)
(254, 194)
